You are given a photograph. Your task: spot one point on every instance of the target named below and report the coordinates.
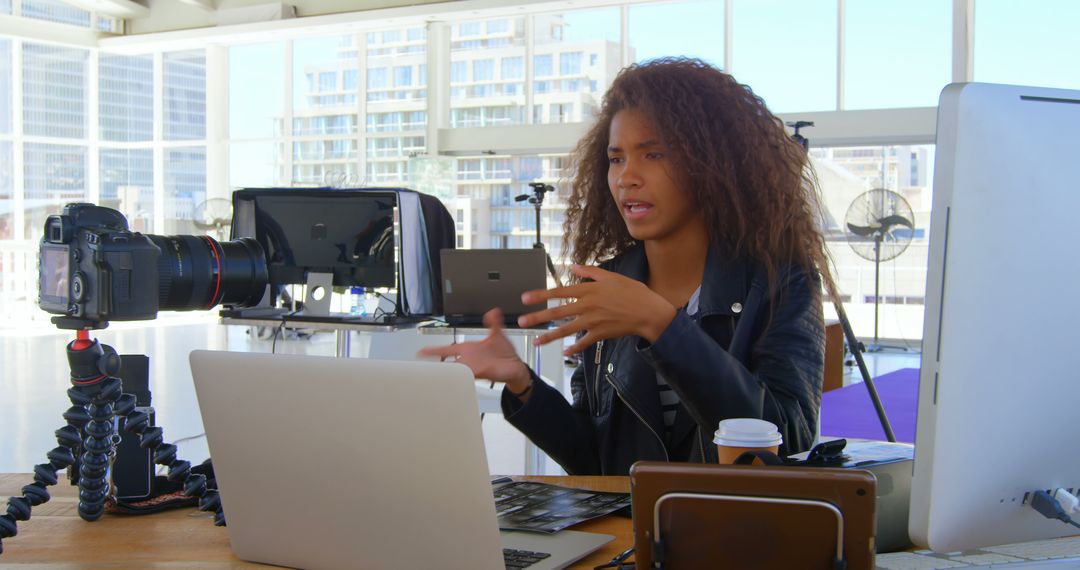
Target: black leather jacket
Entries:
(742, 355)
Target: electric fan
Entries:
(879, 225)
(214, 216)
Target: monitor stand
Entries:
(317, 294)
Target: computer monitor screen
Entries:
(346, 233)
(999, 391)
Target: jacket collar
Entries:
(724, 288)
(724, 285)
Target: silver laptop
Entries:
(356, 463)
(478, 280)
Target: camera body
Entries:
(92, 270)
(92, 267)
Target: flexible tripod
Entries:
(856, 347)
(97, 400)
(537, 200)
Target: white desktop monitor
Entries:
(999, 390)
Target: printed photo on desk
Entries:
(539, 507)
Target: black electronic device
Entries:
(347, 234)
(93, 269)
(133, 469)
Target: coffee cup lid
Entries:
(747, 432)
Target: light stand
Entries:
(97, 401)
(854, 345)
(537, 200)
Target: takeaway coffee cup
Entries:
(739, 435)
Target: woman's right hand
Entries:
(493, 358)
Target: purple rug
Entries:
(848, 411)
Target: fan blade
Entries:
(863, 231)
(895, 220)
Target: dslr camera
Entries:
(93, 269)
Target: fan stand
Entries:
(877, 346)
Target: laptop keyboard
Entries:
(521, 558)
(1055, 553)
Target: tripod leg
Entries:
(856, 351)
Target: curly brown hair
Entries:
(751, 181)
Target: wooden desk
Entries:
(55, 536)
(834, 356)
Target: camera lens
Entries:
(199, 272)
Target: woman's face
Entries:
(654, 205)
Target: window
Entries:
(376, 78)
(126, 97)
(54, 175)
(185, 185)
(513, 67)
(1030, 43)
(879, 76)
(127, 185)
(56, 11)
(54, 91)
(901, 169)
(542, 66)
(185, 95)
(781, 43)
(350, 79)
(570, 63)
(459, 73)
(569, 36)
(692, 28)
(6, 86)
(483, 70)
(403, 76)
(471, 98)
(469, 29)
(256, 98)
(327, 81)
(7, 201)
(322, 59)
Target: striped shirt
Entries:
(669, 400)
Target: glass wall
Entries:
(185, 95)
(1029, 43)
(883, 68)
(487, 73)
(576, 56)
(351, 106)
(846, 175)
(126, 97)
(700, 32)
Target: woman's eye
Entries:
(654, 155)
(614, 159)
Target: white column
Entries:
(728, 40)
(159, 151)
(217, 122)
(18, 165)
(438, 84)
(93, 128)
(840, 17)
(287, 112)
(963, 39)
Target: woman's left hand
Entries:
(609, 306)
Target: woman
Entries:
(706, 303)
